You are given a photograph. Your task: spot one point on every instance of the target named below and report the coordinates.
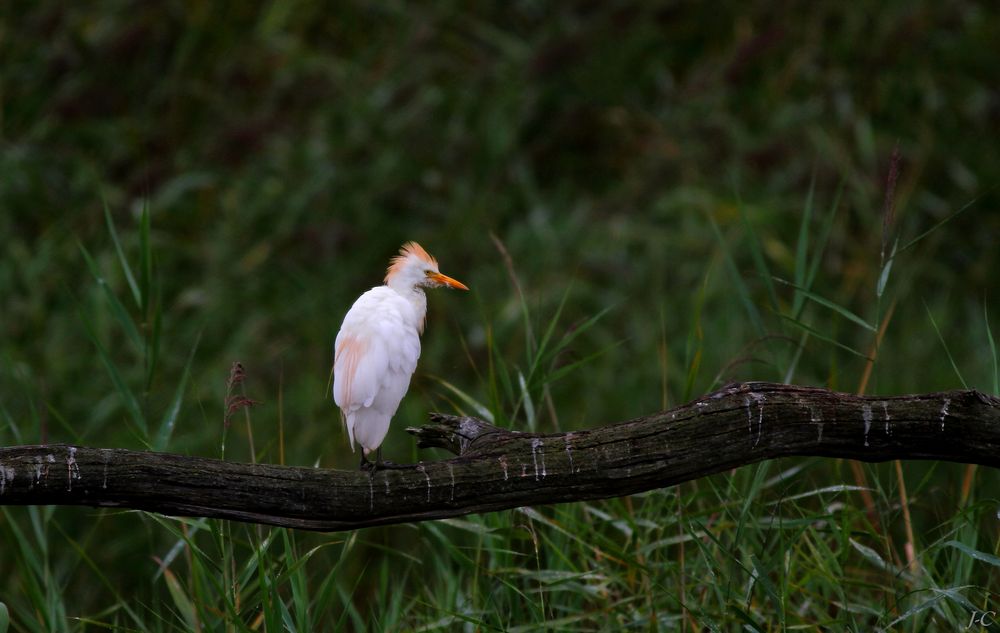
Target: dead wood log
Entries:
(496, 469)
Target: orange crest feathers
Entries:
(408, 249)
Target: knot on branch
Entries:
(456, 434)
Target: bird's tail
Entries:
(348, 419)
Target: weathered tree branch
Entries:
(496, 469)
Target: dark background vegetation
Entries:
(661, 159)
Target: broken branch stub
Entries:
(496, 469)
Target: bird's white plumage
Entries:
(376, 353)
(378, 345)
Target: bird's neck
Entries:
(415, 295)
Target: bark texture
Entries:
(495, 469)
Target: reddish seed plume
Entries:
(408, 249)
(235, 402)
(236, 376)
(889, 203)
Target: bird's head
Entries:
(415, 268)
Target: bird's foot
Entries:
(387, 465)
(371, 467)
(367, 466)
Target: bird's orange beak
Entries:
(445, 280)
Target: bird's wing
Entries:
(354, 364)
(374, 344)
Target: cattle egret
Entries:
(378, 346)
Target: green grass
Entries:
(680, 197)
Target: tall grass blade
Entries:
(839, 309)
(529, 338)
(974, 553)
(568, 368)
(267, 584)
(8, 423)
(883, 277)
(529, 405)
(543, 345)
(802, 245)
(117, 308)
(799, 303)
(129, 276)
(816, 333)
(748, 622)
(297, 582)
(821, 491)
(742, 292)
(287, 619)
(33, 574)
(574, 332)
(129, 400)
(873, 557)
(170, 416)
(761, 575)
(750, 495)
(145, 260)
(947, 219)
(181, 600)
(506, 390)
(793, 365)
(993, 352)
(178, 547)
(95, 568)
(695, 342)
(153, 340)
(481, 410)
(947, 351)
(757, 254)
(932, 602)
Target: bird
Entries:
(378, 345)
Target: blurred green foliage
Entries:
(627, 155)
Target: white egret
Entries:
(378, 346)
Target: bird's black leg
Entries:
(381, 464)
(365, 464)
(371, 467)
